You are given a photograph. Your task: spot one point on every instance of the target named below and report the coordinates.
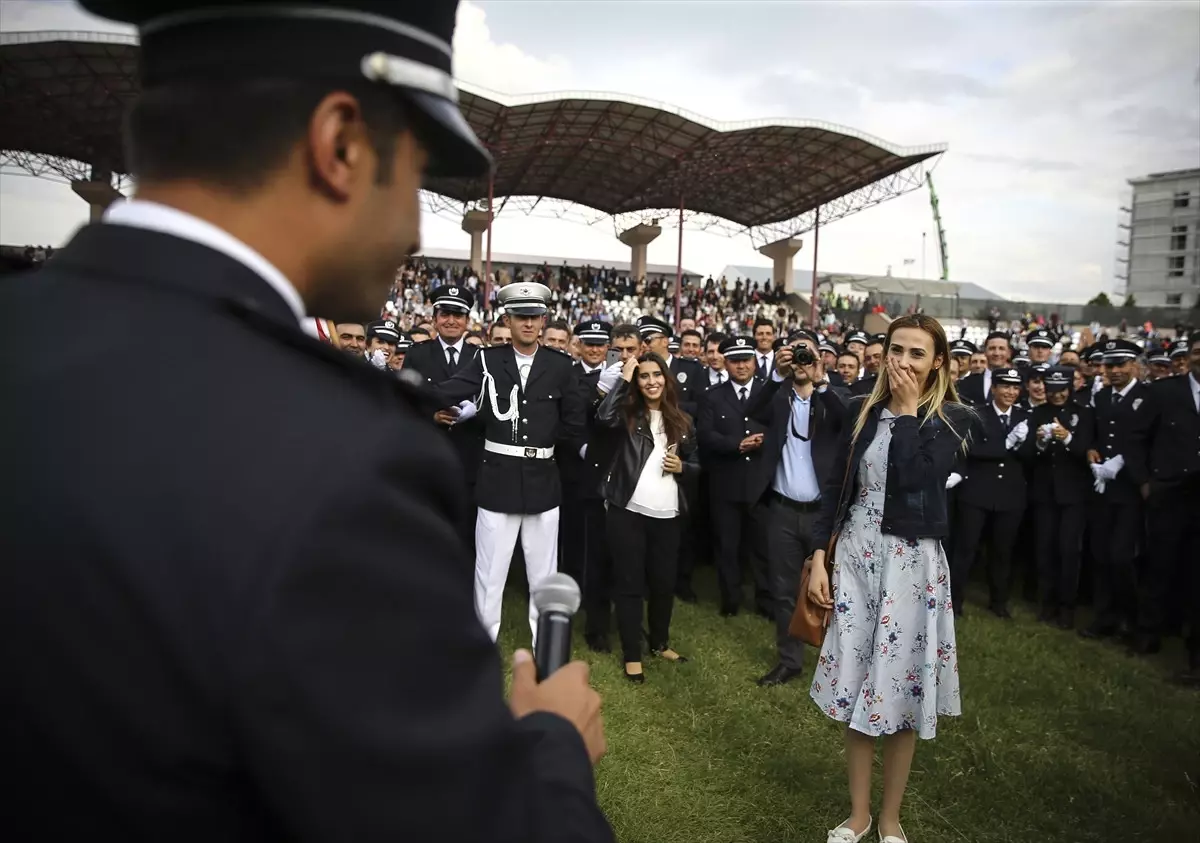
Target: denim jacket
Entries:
(920, 458)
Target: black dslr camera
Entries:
(802, 356)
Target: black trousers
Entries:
(689, 548)
(789, 543)
(1058, 531)
(1116, 531)
(972, 521)
(1172, 574)
(597, 580)
(739, 537)
(645, 554)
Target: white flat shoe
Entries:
(841, 834)
(903, 838)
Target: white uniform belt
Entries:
(518, 451)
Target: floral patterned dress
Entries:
(889, 661)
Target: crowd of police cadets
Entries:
(1081, 470)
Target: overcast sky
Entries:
(1047, 109)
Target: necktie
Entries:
(763, 361)
(1116, 398)
(1004, 421)
(742, 395)
(453, 352)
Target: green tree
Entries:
(1100, 300)
(1130, 302)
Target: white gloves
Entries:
(1099, 483)
(378, 359)
(609, 377)
(1017, 435)
(583, 452)
(1110, 468)
(467, 410)
(953, 480)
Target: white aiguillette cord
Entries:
(509, 415)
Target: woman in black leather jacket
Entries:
(645, 502)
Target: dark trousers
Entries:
(1172, 572)
(570, 532)
(789, 543)
(1058, 531)
(972, 521)
(597, 569)
(739, 536)
(645, 553)
(688, 546)
(1116, 531)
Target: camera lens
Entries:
(802, 356)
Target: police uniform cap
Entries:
(404, 342)
(453, 297)
(963, 348)
(404, 46)
(673, 344)
(827, 346)
(1022, 358)
(594, 333)
(1011, 376)
(1037, 370)
(1092, 353)
(1120, 351)
(649, 326)
(801, 334)
(524, 298)
(1040, 337)
(740, 347)
(1179, 348)
(858, 336)
(878, 339)
(1059, 378)
(385, 329)
(779, 343)
(1159, 355)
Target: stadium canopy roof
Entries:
(64, 93)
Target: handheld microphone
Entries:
(557, 600)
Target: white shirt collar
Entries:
(1000, 412)
(1193, 382)
(1132, 383)
(154, 216)
(457, 346)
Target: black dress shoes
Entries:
(686, 594)
(636, 678)
(778, 675)
(1002, 612)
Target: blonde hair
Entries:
(939, 389)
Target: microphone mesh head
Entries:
(557, 593)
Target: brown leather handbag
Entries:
(810, 621)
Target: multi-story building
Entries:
(1164, 239)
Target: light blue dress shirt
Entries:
(796, 476)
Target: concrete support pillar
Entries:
(97, 191)
(476, 223)
(782, 252)
(637, 239)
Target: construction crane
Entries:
(941, 232)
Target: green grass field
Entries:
(1061, 741)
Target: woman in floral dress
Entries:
(889, 665)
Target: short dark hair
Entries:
(418, 330)
(692, 332)
(558, 325)
(236, 132)
(626, 329)
(715, 336)
(852, 356)
(760, 322)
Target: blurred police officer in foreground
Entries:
(223, 617)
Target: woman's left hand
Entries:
(672, 464)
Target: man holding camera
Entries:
(804, 417)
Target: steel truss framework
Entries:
(583, 157)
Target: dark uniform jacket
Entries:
(1058, 473)
(691, 382)
(995, 476)
(720, 429)
(864, 385)
(582, 476)
(970, 390)
(553, 409)
(1166, 440)
(226, 608)
(1116, 425)
(429, 360)
(772, 407)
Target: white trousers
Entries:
(495, 539)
